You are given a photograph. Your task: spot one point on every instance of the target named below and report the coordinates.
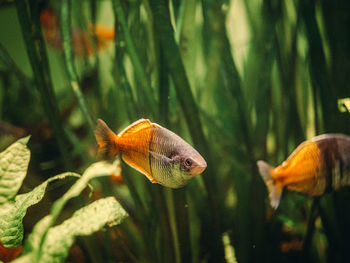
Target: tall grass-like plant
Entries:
(29, 18)
(239, 80)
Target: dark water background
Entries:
(239, 80)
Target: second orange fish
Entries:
(317, 166)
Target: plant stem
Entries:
(135, 60)
(68, 58)
(142, 214)
(311, 227)
(323, 89)
(35, 46)
(176, 69)
(6, 59)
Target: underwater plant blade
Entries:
(146, 90)
(13, 168)
(12, 213)
(68, 58)
(189, 106)
(35, 46)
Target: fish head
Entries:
(192, 164)
(173, 161)
(186, 164)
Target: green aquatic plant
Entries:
(49, 242)
(239, 80)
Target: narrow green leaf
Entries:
(68, 58)
(29, 19)
(84, 221)
(13, 167)
(12, 213)
(146, 90)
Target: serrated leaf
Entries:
(84, 221)
(13, 168)
(33, 241)
(95, 170)
(12, 213)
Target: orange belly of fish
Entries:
(135, 150)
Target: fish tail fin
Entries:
(274, 188)
(106, 140)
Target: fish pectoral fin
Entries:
(160, 157)
(134, 165)
(135, 127)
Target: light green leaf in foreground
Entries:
(40, 234)
(12, 213)
(95, 170)
(59, 239)
(13, 168)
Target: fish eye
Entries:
(188, 163)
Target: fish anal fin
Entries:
(135, 127)
(130, 161)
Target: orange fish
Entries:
(81, 41)
(316, 166)
(155, 151)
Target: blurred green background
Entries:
(240, 80)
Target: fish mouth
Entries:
(199, 168)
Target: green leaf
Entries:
(13, 167)
(93, 171)
(12, 213)
(85, 221)
(344, 105)
(59, 239)
(33, 241)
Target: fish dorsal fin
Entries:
(156, 125)
(130, 161)
(135, 127)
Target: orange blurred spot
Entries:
(116, 178)
(82, 42)
(292, 245)
(102, 32)
(96, 194)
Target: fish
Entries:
(81, 40)
(158, 153)
(317, 166)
